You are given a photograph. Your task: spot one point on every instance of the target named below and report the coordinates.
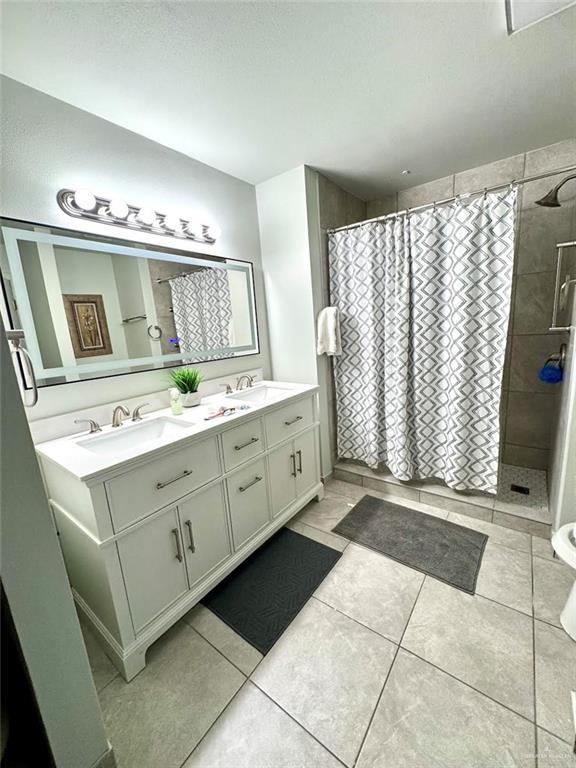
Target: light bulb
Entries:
(118, 208)
(214, 231)
(146, 216)
(195, 228)
(84, 199)
(171, 223)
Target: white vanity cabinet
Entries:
(145, 539)
(293, 469)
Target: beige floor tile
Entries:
(327, 672)
(552, 584)
(325, 514)
(103, 671)
(323, 537)
(159, 717)
(221, 636)
(373, 589)
(555, 679)
(255, 733)
(456, 505)
(506, 577)
(543, 548)
(486, 645)
(427, 719)
(553, 752)
(341, 488)
(522, 524)
(506, 537)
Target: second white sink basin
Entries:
(128, 437)
(260, 394)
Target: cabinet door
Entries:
(248, 499)
(205, 532)
(282, 467)
(306, 462)
(152, 559)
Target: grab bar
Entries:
(561, 291)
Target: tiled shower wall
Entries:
(337, 208)
(529, 407)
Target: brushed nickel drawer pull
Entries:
(243, 488)
(192, 545)
(293, 421)
(178, 547)
(245, 445)
(299, 454)
(174, 479)
(293, 457)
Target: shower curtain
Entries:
(203, 312)
(424, 303)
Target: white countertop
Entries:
(68, 453)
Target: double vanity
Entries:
(154, 513)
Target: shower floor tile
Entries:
(532, 505)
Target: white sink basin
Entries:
(128, 437)
(260, 394)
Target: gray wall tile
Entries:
(540, 230)
(533, 303)
(553, 156)
(500, 172)
(529, 354)
(381, 207)
(529, 419)
(525, 456)
(426, 193)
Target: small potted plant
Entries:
(187, 381)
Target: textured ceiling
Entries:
(358, 90)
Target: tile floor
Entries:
(524, 512)
(384, 667)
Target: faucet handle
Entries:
(94, 426)
(229, 389)
(136, 412)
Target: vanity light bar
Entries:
(81, 203)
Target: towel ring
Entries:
(156, 328)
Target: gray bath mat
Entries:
(446, 551)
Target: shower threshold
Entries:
(521, 502)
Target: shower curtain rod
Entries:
(462, 196)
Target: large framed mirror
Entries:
(95, 306)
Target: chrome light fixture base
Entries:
(163, 224)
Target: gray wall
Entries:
(529, 406)
(336, 209)
(48, 144)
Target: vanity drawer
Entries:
(242, 443)
(248, 499)
(286, 421)
(151, 486)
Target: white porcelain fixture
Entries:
(564, 543)
(260, 393)
(152, 516)
(144, 434)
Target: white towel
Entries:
(329, 332)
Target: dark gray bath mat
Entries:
(263, 595)
(449, 552)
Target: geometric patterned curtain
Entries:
(424, 304)
(203, 312)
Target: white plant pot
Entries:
(190, 399)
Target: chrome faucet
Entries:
(240, 381)
(136, 412)
(117, 415)
(94, 426)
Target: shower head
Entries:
(550, 199)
